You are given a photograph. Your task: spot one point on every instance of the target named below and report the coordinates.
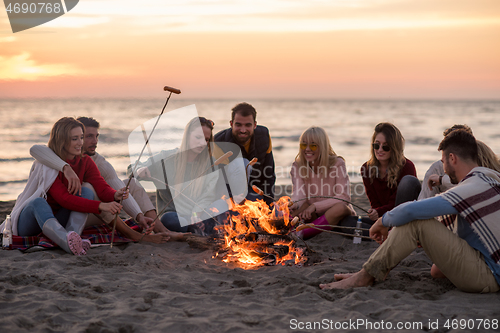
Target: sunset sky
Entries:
(437, 49)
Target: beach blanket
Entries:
(97, 234)
(477, 199)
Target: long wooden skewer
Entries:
(310, 225)
(339, 233)
(172, 90)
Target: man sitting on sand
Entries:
(255, 142)
(470, 261)
(138, 201)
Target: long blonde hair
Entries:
(199, 165)
(486, 157)
(396, 142)
(327, 157)
(60, 135)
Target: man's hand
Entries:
(146, 223)
(373, 214)
(434, 180)
(112, 207)
(74, 185)
(121, 193)
(378, 232)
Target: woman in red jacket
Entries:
(389, 177)
(47, 206)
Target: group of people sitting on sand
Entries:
(453, 215)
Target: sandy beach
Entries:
(143, 287)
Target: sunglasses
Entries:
(208, 122)
(376, 146)
(312, 146)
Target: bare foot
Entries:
(339, 277)
(436, 272)
(359, 279)
(177, 236)
(158, 238)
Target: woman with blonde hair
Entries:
(47, 206)
(318, 171)
(388, 176)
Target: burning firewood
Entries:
(256, 235)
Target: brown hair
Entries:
(457, 127)
(60, 135)
(245, 110)
(460, 143)
(486, 157)
(396, 142)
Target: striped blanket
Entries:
(477, 199)
(97, 234)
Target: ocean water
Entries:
(349, 124)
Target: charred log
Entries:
(263, 238)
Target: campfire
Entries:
(255, 235)
(258, 235)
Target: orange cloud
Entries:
(21, 67)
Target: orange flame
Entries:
(255, 217)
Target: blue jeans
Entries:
(172, 222)
(408, 189)
(38, 211)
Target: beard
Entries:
(453, 177)
(242, 139)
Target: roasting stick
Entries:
(333, 232)
(250, 164)
(310, 225)
(260, 192)
(340, 233)
(171, 90)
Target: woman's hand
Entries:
(146, 223)
(121, 194)
(307, 213)
(74, 185)
(373, 214)
(143, 173)
(293, 207)
(112, 207)
(378, 232)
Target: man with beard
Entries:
(137, 202)
(470, 261)
(255, 142)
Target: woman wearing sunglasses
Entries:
(318, 171)
(388, 176)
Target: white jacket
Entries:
(39, 182)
